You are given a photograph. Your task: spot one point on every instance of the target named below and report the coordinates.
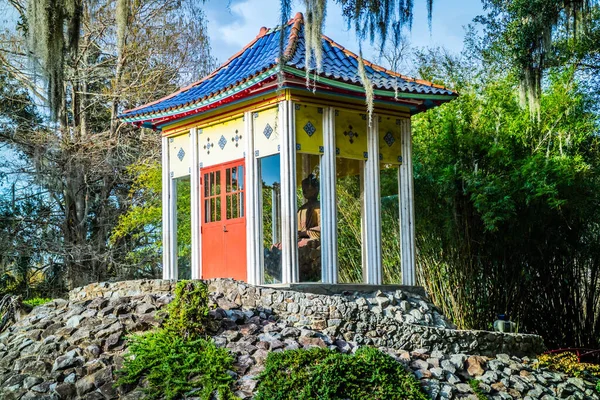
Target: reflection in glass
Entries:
(270, 178)
(349, 206)
(212, 198)
(390, 225)
(309, 218)
(184, 228)
(234, 193)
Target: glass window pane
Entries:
(242, 204)
(390, 225)
(207, 210)
(217, 182)
(240, 175)
(228, 206)
(234, 184)
(228, 186)
(349, 212)
(184, 227)
(270, 177)
(206, 185)
(309, 217)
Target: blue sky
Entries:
(232, 24)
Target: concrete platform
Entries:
(343, 288)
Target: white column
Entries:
(289, 221)
(407, 207)
(196, 209)
(174, 273)
(252, 206)
(274, 215)
(372, 206)
(329, 248)
(166, 210)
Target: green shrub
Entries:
(178, 358)
(36, 301)
(327, 374)
(188, 312)
(174, 366)
(477, 390)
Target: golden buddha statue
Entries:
(309, 232)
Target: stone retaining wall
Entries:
(394, 319)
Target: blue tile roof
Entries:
(260, 57)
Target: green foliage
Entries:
(141, 224)
(349, 229)
(598, 386)
(178, 359)
(188, 312)
(474, 383)
(520, 35)
(326, 374)
(36, 301)
(569, 364)
(174, 366)
(506, 207)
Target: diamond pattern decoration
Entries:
(389, 139)
(268, 131)
(222, 142)
(310, 129)
(180, 154)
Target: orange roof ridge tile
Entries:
(297, 22)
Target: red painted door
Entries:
(224, 221)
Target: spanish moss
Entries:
(368, 85)
(528, 28)
(46, 22)
(121, 19)
(313, 31)
(374, 20)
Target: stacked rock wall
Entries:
(71, 349)
(395, 319)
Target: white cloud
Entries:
(248, 17)
(233, 24)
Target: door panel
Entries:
(235, 223)
(224, 222)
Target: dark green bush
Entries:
(178, 359)
(174, 366)
(327, 374)
(188, 312)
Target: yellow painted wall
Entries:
(351, 135)
(390, 143)
(309, 128)
(266, 132)
(180, 155)
(221, 142)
